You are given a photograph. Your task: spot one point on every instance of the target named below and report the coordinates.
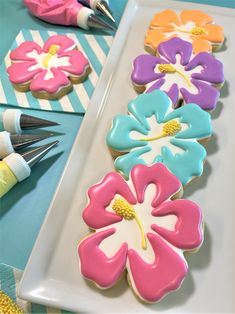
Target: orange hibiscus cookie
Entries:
(191, 25)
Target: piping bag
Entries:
(15, 121)
(66, 12)
(16, 168)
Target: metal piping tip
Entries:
(20, 141)
(104, 9)
(29, 122)
(35, 155)
(94, 21)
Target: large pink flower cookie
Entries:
(48, 72)
(141, 229)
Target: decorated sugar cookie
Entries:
(48, 72)
(182, 75)
(155, 132)
(191, 25)
(140, 229)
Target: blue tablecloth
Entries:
(22, 211)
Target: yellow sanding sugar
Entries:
(7, 306)
(7, 178)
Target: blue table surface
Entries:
(23, 209)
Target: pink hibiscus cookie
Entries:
(139, 228)
(48, 72)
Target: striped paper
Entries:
(95, 47)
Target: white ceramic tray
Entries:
(52, 275)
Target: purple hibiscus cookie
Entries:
(182, 75)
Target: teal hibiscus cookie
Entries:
(155, 132)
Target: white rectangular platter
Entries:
(52, 276)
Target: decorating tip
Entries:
(104, 9)
(28, 122)
(33, 156)
(15, 168)
(20, 141)
(94, 21)
(9, 143)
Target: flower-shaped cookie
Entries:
(48, 72)
(191, 25)
(182, 75)
(154, 132)
(140, 229)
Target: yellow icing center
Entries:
(124, 209)
(166, 68)
(169, 68)
(169, 129)
(52, 51)
(194, 31)
(7, 306)
(198, 31)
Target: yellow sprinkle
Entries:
(166, 68)
(169, 68)
(171, 128)
(195, 30)
(52, 51)
(7, 306)
(124, 209)
(198, 31)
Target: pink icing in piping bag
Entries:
(65, 12)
